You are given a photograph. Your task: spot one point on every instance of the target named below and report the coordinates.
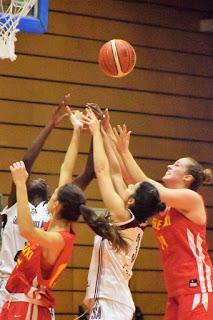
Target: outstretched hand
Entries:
(61, 111)
(122, 138)
(96, 109)
(76, 119)
(91, 121)
(19, 172)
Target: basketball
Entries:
(117, 58)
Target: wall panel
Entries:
(166, 102)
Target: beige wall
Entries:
(166, 101)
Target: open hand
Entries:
(122, 138)
(61, 111)
(91, 121)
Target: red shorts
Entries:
(24, 311)
(190, 307)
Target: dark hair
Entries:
(37, 188)
(200, 175)
(101, 226)
(71, 197)
(147, 202)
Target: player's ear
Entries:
(130, 201)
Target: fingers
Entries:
(76, 119)
(17, 165)
(64, 102)
(106, 113)
(116, 133)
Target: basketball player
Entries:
(12, 241)
(48, 251)
(181, 234)
(119, 233)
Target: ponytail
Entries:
(200, 175)
(207, 176)
(102, 227)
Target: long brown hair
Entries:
(102, 227)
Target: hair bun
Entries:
(207, 176)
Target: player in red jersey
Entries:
(48, 252)
(181, 234)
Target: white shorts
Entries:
(105, 309)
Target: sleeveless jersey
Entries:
(110, 271)
(186, 263)
(27, 276)
(12, 241)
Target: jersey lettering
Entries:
(158, 223)
(27, 251)
(96, 312)
(163, 243)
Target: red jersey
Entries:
(27, 275)
(186, 263)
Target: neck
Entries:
(35, 201)
(59, 225)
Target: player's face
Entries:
(38, 187)
(174, 176)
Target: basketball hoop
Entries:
(11, 15)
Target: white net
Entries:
(10, 16)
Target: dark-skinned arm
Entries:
(34, 150)
(88, 174)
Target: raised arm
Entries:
(115, 169)
(20, 175)
(110, 133)
(67, 167)
(112, 200)
(25, 223)
(186, 201)
(34, 150)
(88, 174)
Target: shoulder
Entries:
(69, 237)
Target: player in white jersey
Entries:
(119, 232)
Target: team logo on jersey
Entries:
(33, 212)
(96, 312)
(193, 283)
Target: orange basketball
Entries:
(117, 58)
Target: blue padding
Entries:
(36, 25)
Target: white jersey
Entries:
(12, 241)
(110, 271)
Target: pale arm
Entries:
(112, 200)
(115, 169)
(67, 167)
(184, 200)
(26, 228)
(110, 133)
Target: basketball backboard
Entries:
(37, 19)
